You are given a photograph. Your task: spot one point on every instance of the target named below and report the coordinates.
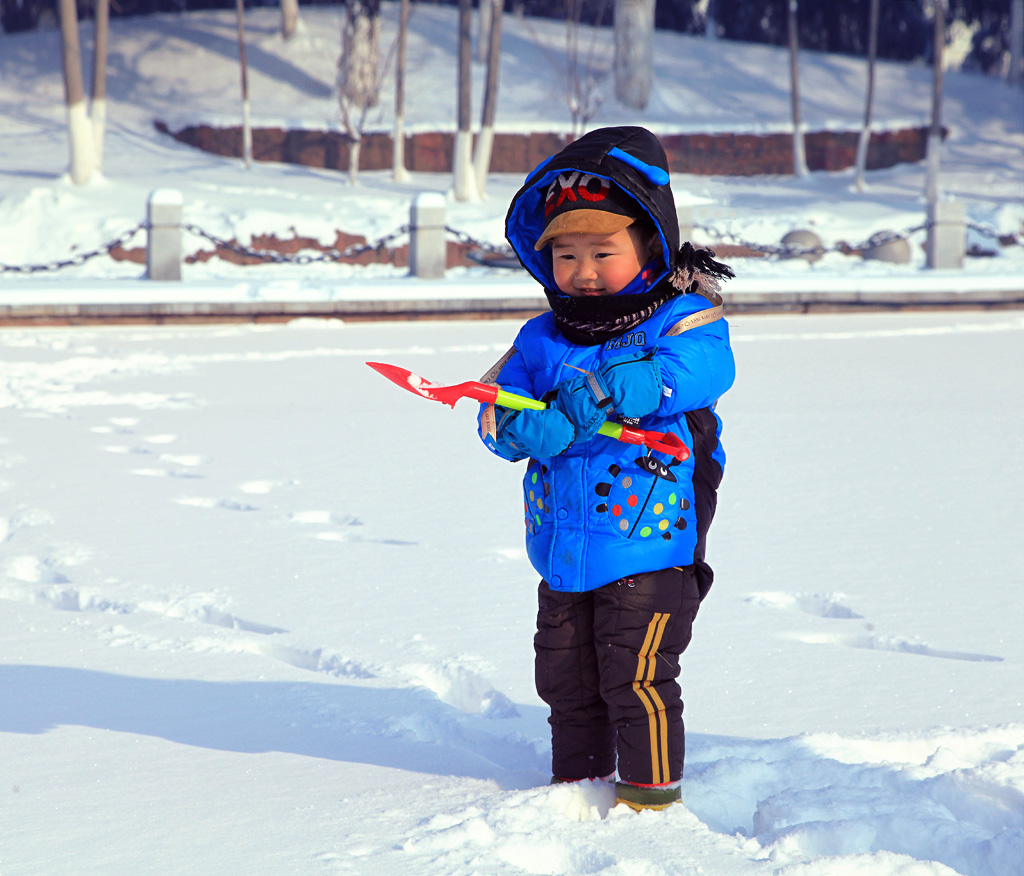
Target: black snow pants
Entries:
(606, 663)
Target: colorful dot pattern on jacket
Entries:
(536, 492)
(645, 501)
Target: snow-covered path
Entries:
(260, 612)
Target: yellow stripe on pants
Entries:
(646, 664)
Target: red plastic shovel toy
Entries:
(663, 442)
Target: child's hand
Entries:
(540, 434)
(576, 400)
(629, 386)
(634, 384)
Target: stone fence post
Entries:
(163, 249)
(947, 235)
(428, 249)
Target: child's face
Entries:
(594, 264)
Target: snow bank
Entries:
(259, 609)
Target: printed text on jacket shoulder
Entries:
(633, 339)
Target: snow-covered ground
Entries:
(262, 612)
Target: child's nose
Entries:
(585, 269)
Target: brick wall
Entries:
(707, 154)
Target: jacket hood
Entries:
(630, 157)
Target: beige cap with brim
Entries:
(583, 221)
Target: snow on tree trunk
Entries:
(482, 158)
(399, 173)
(98, 109)
(865, 132)
(464, 183)
(634, 52)
(799, 157)
(80, 136)
(355, 148)
(289, 18)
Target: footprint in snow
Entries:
(832, 605)
(874, 642)
(463, 688)
(165, 473)
(324, 518)
(29, 569)
(185, 459)
(533, 830)
(344, 531)
(10, 525)
(356, 537)
(504, 555)
(225, 504)
(64, 596)
(819, 604)
(260, 488)
(119, 425)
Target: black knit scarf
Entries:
(590, 320)
(595, 319)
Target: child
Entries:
(616, 531)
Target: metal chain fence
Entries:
(469, 240)
(1004, 239)
(501, 256)
(302, 258)
(78, 259)
(792, 250)
(876, 240)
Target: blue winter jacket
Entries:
(603, 509)
(597, 513)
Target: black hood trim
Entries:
(632, 158)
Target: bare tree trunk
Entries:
(98, 108)
(360, 59)
(464, 182)
(865, 132)
(1015, 75)
(289, 18)
(482, 158)
(579, 80)
(634, 52)
(399, 173)
(935, 131)
(799, 156)
(246, 122)
(710, 27)
(80, 136)
(583, 71)
(483, 30)
(359, 79)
